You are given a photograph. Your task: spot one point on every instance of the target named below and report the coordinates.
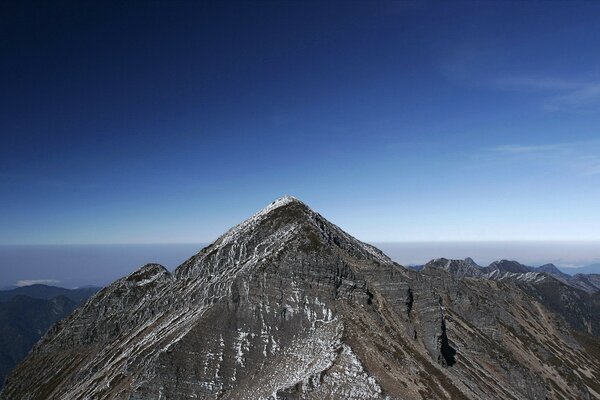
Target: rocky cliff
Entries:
(287, 305)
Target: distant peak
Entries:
(508, 266)
(550, 268)
(457, 268)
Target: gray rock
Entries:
(287, 305)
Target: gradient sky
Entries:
(163, 122)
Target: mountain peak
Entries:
(288, 305)
(285, 199)
(548, 268)
(507, 266)
(553, 270)
(457, 268)
(269, 232)
(254, 221)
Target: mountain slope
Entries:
(23, 320)
(288, 305)
(587, 282)
(570, 298)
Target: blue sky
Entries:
(399, 121)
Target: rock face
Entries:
(287, 305)
(574, 298)
(587, 282)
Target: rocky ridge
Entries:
(513, 270)
(287, 305)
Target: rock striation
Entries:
(286, 305)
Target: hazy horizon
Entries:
(100, 264)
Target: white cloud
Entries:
(29, 282)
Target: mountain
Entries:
(287, 305)
(46, 292)
(552, 270)
(588, 269)
(25, 318)
(588, 282)
(515, 271)
(575, 299)
(503, 266)
(457, 268)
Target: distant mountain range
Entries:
(26, 313)
(588, 269)
(45, 292)
(502, 269)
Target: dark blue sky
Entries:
(146, 122)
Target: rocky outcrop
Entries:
(287, 305)
(457, 268)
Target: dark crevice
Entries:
(409, 302)
(447, 352)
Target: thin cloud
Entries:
(536, 83)
(470, 65)
(590, 165)
(533, 149)
(558, 94)
(29, 282)
(583, 157)
(586, 98)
